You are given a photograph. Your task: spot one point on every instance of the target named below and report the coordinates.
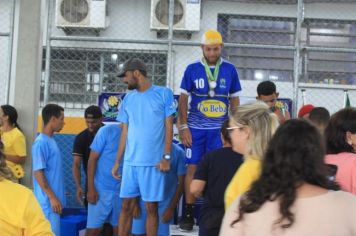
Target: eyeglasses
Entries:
(230, 129)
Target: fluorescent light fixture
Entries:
(258, 75)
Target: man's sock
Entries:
(189, 209)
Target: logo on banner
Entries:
(110, 105)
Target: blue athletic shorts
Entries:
(106, 210)
(54, 219)
(145, 181)
(204, 140)
(139, 224)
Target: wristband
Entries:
(183, 126)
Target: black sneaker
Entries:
(186, 223)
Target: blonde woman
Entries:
(20, 213)
(251, 128)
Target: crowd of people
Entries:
(258, 171)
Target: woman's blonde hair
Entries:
(262, 123)
(5, 172)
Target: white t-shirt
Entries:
(330, 214)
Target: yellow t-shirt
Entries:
(20, 213)
(14, 144)
(248, 172)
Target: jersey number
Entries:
(199, 83)
(188, 153)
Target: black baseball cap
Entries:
(131, 65)
(93, 112)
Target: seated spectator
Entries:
(340, 135)
(266, 92)
(13, 140)
(305, 110)
(20, 213)
(251, 128)
(173, 192)
(293, 195)
(320, 117)
(210, 183)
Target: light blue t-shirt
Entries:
(47, 157)
(145, 113)
(209, 112)
(178, 168)
(106, 144)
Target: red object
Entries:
(305, 110)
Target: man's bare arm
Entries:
(42, 181)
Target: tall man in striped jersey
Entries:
(213, 85)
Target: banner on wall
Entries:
(109, 104)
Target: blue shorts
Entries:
(145, 181)
(139, 224)
(106, 210)
(204, 140)
(54, 219)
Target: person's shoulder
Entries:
(250, 166)
(195, 65)
(41, 138)
(164, 91)
(342, 157)
(130, 94)
(223, 151)
(17, 132)
(109, 128)
(15, 188)
(84, 133)
(342, 197)
(216, 152)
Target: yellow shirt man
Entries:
(248, 172)
(20, 213)
(14, 144)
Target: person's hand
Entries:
(167, 215)
(164, 165)
(115, 172)
(92, 196)
(186, 137)
(136, 211)
(55, 205)
(79, 195)
(281, 117)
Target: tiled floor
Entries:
(176, 232)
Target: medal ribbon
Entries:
(209, 75)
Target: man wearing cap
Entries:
(213, 85)
(146, 115)
(81, 148)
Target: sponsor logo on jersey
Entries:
(222, 83)
(212, 108)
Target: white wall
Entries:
(130, 19)
(5, 19)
